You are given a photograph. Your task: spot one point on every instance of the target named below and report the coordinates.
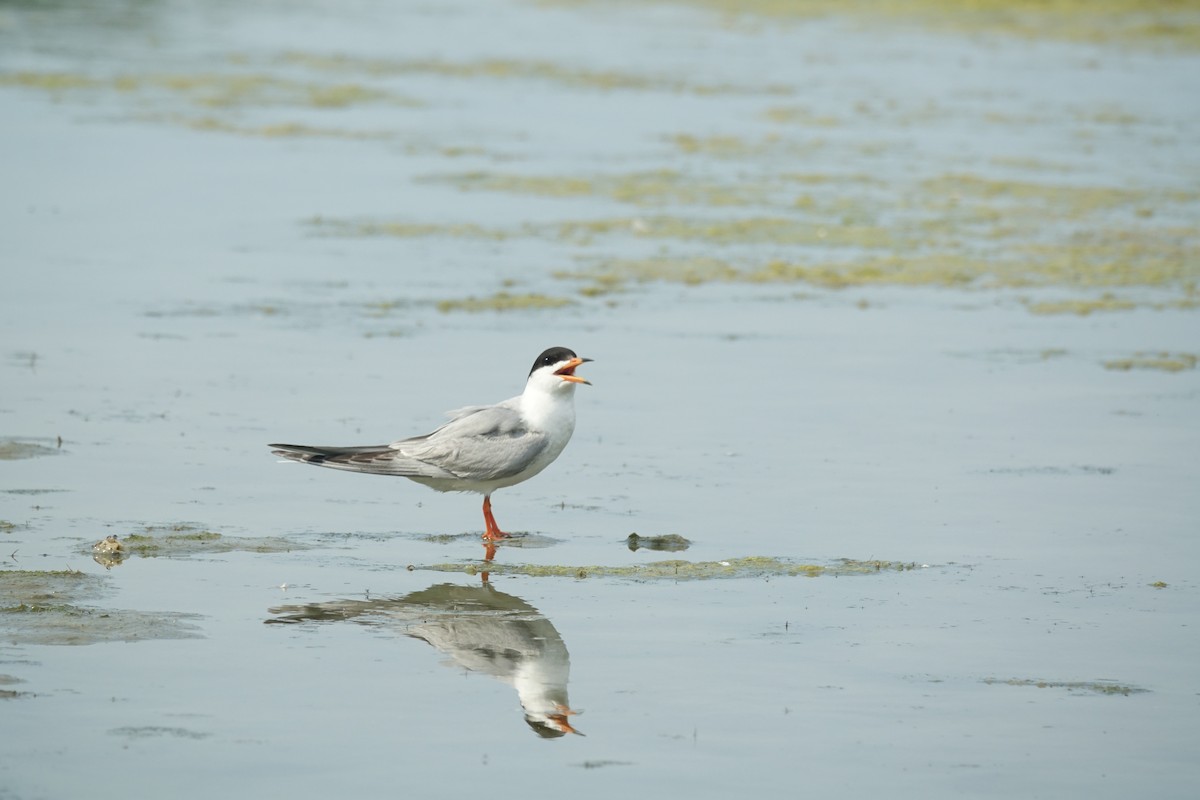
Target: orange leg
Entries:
(493, 531)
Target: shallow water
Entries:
(896, 325)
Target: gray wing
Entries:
(380, 459)
(481, 444)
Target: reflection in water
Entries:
(482, 630)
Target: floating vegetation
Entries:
(749, 567)
(214, 89)
(16, 449)
(34, 588)
(503, 301)
(185, 540)
(1083, 307)
(645, 188)
(1101, 21)
(280, 130)
(800, 115)
(43, 607)
(1090, 687)
(329, 226)
(10, 694)
(569, 76)
(1167, 362)
(772, 145)
(1022, 233)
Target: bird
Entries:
(482, 448)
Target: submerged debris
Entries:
(1095, 687)
(108, 552)
(671, 543)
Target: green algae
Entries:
(79, 625)
(52, 82)
(568, 76)
(185, 540)
(280, 130)
(1174, 24)
(332, 226)
(724, 146)
(801, 115)
(17, 449)
(504, 301)
(644, 188)
(1082, 307)
(45, 607)
(941, 269)
(1103, 687)
(218, 90)
(1166, 362)
(679, 570)
(20, 587)
(956, 229)
(9, 680)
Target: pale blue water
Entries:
(182, 311)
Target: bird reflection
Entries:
(480, 629)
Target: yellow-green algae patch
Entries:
(645, 188)
(214, 89)
(921, 268)
(1082, 306)
(519, 69)
(184, 540)
(53, 82)
(1091, 687)
(1175, 22)
(1167, 362)
(16, 449)
(777, 230)
(279, 130)
(734, 147)
(748, 567)
(332, 226)
(801, 115)
(43, 607)
(504, 301)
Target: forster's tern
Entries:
(482, 448)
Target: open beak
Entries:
(567, 373)
(561, 719)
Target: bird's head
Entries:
(555, 369)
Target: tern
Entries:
(482, 448)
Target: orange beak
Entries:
(567, 373)
(560, 718)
